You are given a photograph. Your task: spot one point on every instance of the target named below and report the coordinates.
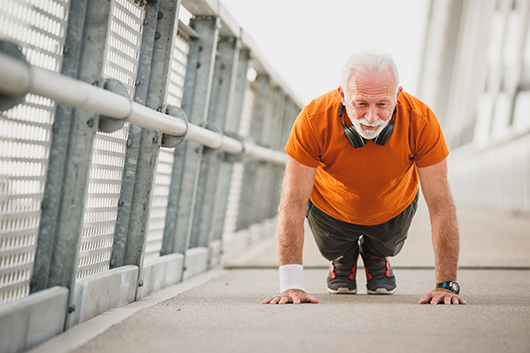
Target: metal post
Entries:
(133, 142)
(262, 189)
(161, 55)
(155, 57)
(173, 241)
(150, 140)
(58, 151)
(284, 128)
(273, 186)
(222, 92)
(58, 248)
(248, 201)
(195, 102)
(231, 126)
(291, 112)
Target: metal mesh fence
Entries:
(38, 27)
(108, 155)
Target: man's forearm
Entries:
(290, 234)
(446, 242)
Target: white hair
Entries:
(372, 61)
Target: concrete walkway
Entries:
(221, 312)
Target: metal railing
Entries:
(111, 110)
(20, 79)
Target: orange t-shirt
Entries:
(372, 184)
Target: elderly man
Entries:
(356, 157)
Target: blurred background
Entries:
(468, 60)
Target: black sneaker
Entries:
(341, 278)
(379, 276)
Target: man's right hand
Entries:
(295, 296)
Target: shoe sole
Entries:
(381, 291)
(342, 291)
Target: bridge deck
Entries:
(220, 311)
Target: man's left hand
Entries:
(442, 296)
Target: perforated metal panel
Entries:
(38, 27)
(178, 69)
(157, 215)
(108, 155)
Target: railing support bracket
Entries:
(170, 140)
(12, 50)
(106, 123)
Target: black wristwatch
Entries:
(453, 286)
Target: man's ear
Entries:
(400, 89)
(341, 94)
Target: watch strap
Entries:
(449, 285)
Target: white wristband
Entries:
(291, 277)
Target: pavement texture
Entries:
(221, 311)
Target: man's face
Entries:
(370, 99)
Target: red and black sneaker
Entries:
(341, 277)
(379, 275)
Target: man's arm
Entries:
(297, 185)
(444, 227)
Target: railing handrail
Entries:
(19, 78)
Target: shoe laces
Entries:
(376, 266)
(343, 272)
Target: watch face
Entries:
(455, 287)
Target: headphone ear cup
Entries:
(353, 137)
(385, 134)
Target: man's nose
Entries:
(371, 115)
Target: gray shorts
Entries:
(336, 239)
